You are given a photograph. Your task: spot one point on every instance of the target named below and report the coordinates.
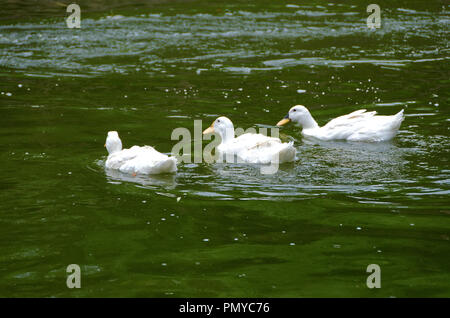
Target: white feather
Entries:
(356, 126)
(251, 148)
(137, 160)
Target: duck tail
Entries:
(398, 119)
(287, 153)
(167, 166)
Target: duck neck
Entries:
(308, 122)
(227, 135)
(113, 145)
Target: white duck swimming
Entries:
(357, 126)
(136, 160)
(249, 147)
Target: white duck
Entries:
(357, 126)
(249, 147)
(136, 160)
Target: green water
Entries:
(144, 69)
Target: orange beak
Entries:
(284, 121)
(209, 130)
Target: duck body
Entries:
(249, 147)
(258, 149)
(359, 125)
(137, 160)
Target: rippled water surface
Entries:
(144, 69)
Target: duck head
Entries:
(222, 126)
(299, 115)
(113, 143)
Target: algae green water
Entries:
(145, 68)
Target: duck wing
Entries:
(350, 119)
(150, 163)
(142, 160)
(380, 128)
(249, 141)
(344, 126)
(258, 148)
(117, 159)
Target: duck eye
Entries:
(218, 121)
(294, 110)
